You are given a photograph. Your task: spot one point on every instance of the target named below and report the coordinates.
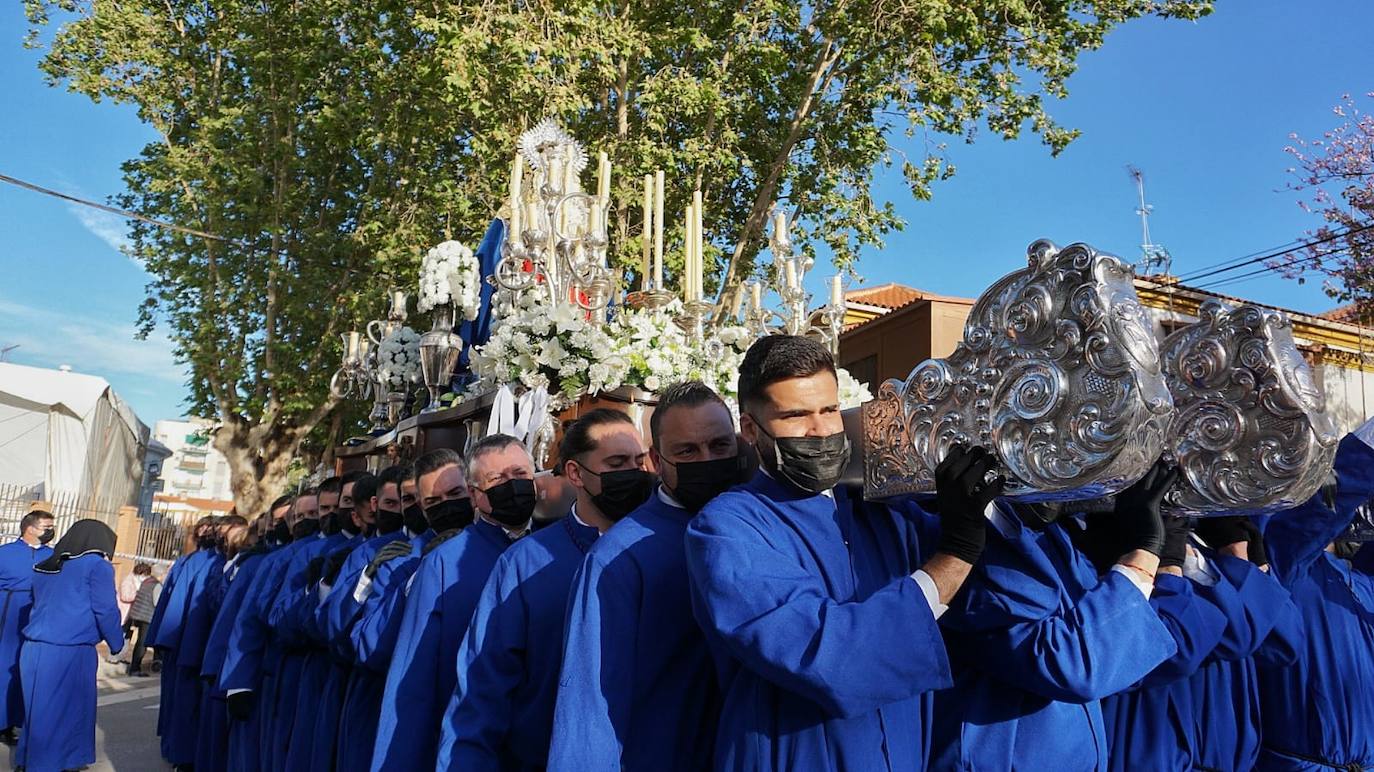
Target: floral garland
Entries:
(450, 273)
(398, 359)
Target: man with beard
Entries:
(820, 608)
(501, 714)
(440, 601)
(17, 560)
(638, 690)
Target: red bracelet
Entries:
(1138, 568)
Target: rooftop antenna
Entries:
(1155, 260)
(4, 352)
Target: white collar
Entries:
(511, 533)
(667, 498)
(579, 520)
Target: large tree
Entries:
(1335, 174)
(326, 142)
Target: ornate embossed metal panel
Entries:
(1058, 372)
(1251, 432)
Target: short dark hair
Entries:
(233, 520)
(435, 460)
(684, 394)
(143, 568)
(577, 436)
(352, 477)
(282, 501)
(489, 444)
(31, 519)
(365, 487)
(330, 485)
(775, 358)
(392, 475)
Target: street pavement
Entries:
(126, 723)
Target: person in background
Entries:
(441, 599)
(140, 614)
(638, 690)
(74, 607)
(17, 560)
(127, 590)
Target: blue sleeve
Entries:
(490, 669)
(218, 641)
(173, 601)
(927, 525)
(250, 633)
(591, 711)
(105, 604)
(779, 621)
(409, 702)
(163, 598)
(1194, 625)
(1251, 601)
(283, 611)
(379, 623)
(201, 606)
(1295, 538)
(339, 611)
(1288, 637)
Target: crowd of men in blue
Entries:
(736, 611)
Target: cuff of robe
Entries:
(232, 692)
(930, 591)
(1140, 582)
(1197, 568)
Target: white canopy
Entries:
(67, 433)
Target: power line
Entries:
(116, 211)
(1280, 253)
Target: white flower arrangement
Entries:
(398, 359)
(852, 393)
(450, 273)
(558, 348)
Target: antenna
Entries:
(1154, 258)
(4, 352)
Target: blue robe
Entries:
(1318, 713)
(16, 598)
(213, 754)
(178, 714)
(252, 661)
(160, 612)
(826, 649)
(1150, 726)
(1262, 625)
(202, 604)
(73, 610)
(439, 602)
(501, 715)
(638, 689)
(1037, 639)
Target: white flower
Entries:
(398, 359)
(653, 383)
(852, 393)
(450, 273)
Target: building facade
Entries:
(195, 469)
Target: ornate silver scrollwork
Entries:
(1251, 433)
(1058, 373)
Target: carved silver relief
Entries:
(1251, 432)
(1058, 373)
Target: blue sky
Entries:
(1204, 109)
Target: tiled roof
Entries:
(1350, 314)
(887, 296)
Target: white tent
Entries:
(64, 433)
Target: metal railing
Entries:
(18, 500)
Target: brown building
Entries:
(890, 328)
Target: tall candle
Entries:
(603, 177)
(398, 299)
(779, 225)
(352, 348)
(516, 178)
(648, 230)
(790, 271)
(658, 229)
(697, 243)
(836, 291)
(685, 278)
(755, 296)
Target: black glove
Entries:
(1221, 532)
(396, 549)
(961, 495)
(333, 566)
(1176, 531)
(1256, 539)
(240, 705)
(314, 569)
(440, 539)
(1137, 507)
(1099, 540)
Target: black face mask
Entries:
(1346, 549)
(47, 535)
(281, 532)
(305, 529)
(329, 524)
(1040, 515)
(622, 491)
(415, 519)
(389, 520)
(512, 502)
(450, 515)
(345, 521)
(811, 464)
(700, 481)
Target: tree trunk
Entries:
(255, 479)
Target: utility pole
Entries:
(1155, 259)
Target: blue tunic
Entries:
(1261, 624)
(177, 717)
(216, 749)
(203, 595)
(73, 610)
(1037, 639)
(638, 689)
(826, 649)
(16, 598)
(439, 602)
(1150, 726)
(1318, 713)
(501, 715)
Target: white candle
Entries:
(603, 177)
(658, 229)
(398, 301)
(697, 242)
(790, 272)
(352, 351)
(685, 278)
(836, 291)
(755, 296)
(516, 177)
(779, 225)
(648, 230)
